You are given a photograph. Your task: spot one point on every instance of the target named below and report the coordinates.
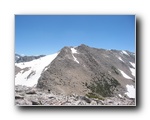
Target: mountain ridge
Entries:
(20, 58)
(84, 70)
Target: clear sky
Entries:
(47, 34)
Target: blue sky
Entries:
(47, 34)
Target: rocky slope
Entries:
(83, 71)
(32, 96)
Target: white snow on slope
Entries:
(75, 59)
(17, 56)
(74, 51)
(131, 91)
(132, 71)
(133, 64)
(120, 59)
(120, 95)
(124, 74)
(33, 74)
(125, 52)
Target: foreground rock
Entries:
(33, 96)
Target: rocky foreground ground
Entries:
(27, 96)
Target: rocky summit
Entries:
(79, 75)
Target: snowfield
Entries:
(131, 91)
(132, 71)
(30, 77)
(73, 50)
(124, 74)
(124, 52)
(133, 64)
(120, 59)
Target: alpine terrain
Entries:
(79, 75)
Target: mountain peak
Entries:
(82, 70)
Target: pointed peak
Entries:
(83, 45)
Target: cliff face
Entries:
(90, 71)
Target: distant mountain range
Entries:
(81, 70)
(19, 58)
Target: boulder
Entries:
(35, 103)
(31, 92)
(85, 99)
(19, 97)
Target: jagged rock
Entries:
(82, 103)
(93, 102)
(35, 103)
(31, 92)
(20, 88)
(20, 102)
(27, 102)
(19, 97)
(85, 99)
(100, 102)
(45, 98)
(109, 101)
(51, 97)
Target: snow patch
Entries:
(120, 96)
(124, 74)
(132, 71)
(131, 91)
(36, 65)
(75, 59)
(133, 64)
(17, 56)
(125, 52)
(120, 59)
(74, 51)
(45, 68)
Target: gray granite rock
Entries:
(50, 99)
